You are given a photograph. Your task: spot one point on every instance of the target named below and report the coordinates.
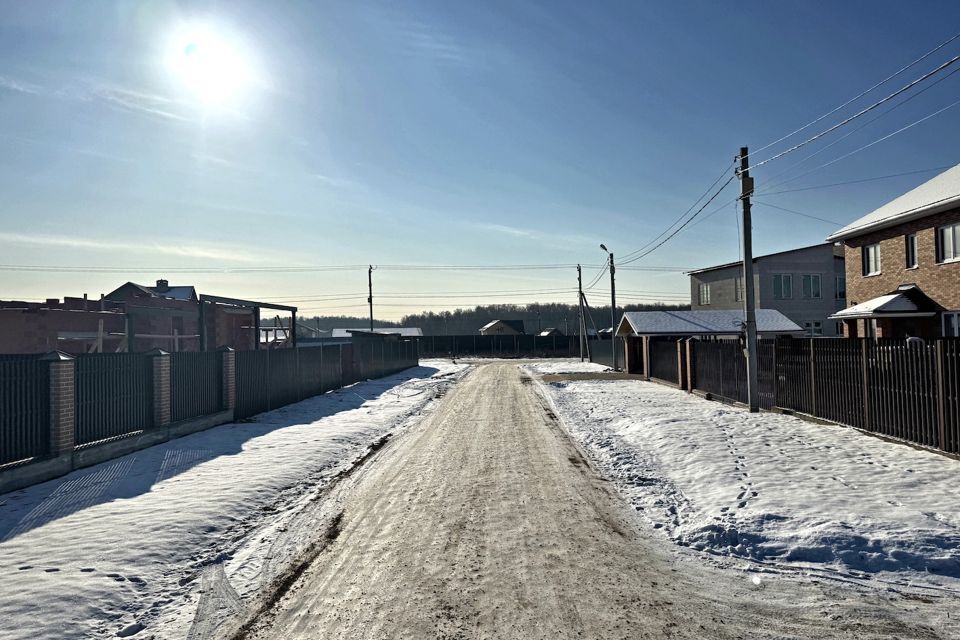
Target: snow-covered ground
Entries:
(126, 546)
(547, 367)
(770, 492)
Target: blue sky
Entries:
(438, 133)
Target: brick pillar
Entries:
(62, 417)
(161, 388)
(229, 379)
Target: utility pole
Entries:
(583, 327)
(749, 300)
(370, 294)
(613, 308)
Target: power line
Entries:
(847, 182)
(303, 269)
(860, 95)
(799, 213)
(859, 113)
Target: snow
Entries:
(772, 490)
(122, 548)
(548, 367)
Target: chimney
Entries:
(84, 302)
(162, 286)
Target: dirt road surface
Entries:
(485, 521)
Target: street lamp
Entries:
(613, 308)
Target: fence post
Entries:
(691, 376)
(62, 408)
(681, 361)
(865, 366)
(941, 400)
(813, 380)
(646, 357)
(161, 387)
(228, 379)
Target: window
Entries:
(910, 249)
(871, 259)
(782, 286)
(810, 285)
(948, 243)
(813, 328)
(704, 293)
(840, 292)
(951, 324)
(738, 288)
(839, 328)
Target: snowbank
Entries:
(773, 489)
(122, 546)
(548, 367)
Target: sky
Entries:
(222, 144)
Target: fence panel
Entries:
(793, 384)
(950, 386)
(310, 371)
(903, 390)
(196, 384)
(663, 359)
(253, 382)
(24, 409)
(601, 352)
(838, 380)
(113, 395)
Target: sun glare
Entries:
(211, 65)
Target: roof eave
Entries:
(895, 220)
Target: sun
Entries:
(211, 65)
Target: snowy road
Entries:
(484, 521)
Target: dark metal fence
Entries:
(905, 390)
(663, 359)
(519, 346)
(196, 384)
(24, 408)
(601, 351)
(113, 395)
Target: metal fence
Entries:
(518, 346)
(24, 408)
(663, 360)
(113, 395)
(905, 390)
(196, 384)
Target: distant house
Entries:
(552, 332)
(160, 317)
(807, 285)
(503, 328)
(903, 264)
(406, 332)
(74, 326)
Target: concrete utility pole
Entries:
(749, 299)
(370, 294)
(613, 309)
(582, 327)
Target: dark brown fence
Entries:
(905, 390)
(520, 346)
(113, 395)
(196, 384)
(24, 408)
(663, 359)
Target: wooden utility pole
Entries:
(583, 326)
(749, 298)
(613, 314)
(370, 294)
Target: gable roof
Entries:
(908, 300)
(698, 323)
(516, 325)
(406, 332)
(177, 293)
(933, 196)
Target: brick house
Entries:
(75, 325)
(903, 264)
(503, 328)
(805, 284)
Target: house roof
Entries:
(836, 253)
(697, 323)
(406, 332)
(516, 325)
(933, 196)
(177, 293)
(550, 332)
(907, 301)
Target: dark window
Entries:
(910, 249)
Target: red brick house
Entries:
(903, 264)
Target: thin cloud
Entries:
(12, 84)
(228, 254)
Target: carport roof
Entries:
(699, 323)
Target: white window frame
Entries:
(738, 288)
(948, 243)
(911, 256)
(813, 328)
(786, 293)
(703, 294)
(955, 316)
(816, 293)
(868, 253)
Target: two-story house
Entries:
(807, 285)
(903, 264)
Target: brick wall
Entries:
(35, 330)
(939, 281)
